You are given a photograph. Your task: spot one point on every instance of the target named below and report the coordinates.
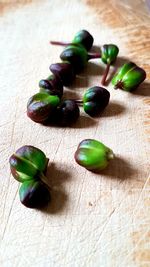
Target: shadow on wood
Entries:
(95, 49)
(143, 89)
(113, 109)
(55, 178)
(120, 169)
(84, 122)
(93, 69)
(57, 203)
(70, 94)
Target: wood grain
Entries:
(94, 220)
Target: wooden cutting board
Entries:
(94, 220)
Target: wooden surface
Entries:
(94, 220)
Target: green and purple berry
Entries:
(34, 194)
(52, 85)
(28, 163)
(95, 100)
(93, 155)
(129, 77)
(41, 105)
(109, 54)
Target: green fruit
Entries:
(41, 105)
(76, 55)
(34, 194)
(95, 100)
(109, 53)
(129, 77)
(28, 163)
(83, 38)
(93, 155)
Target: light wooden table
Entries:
(94, 220)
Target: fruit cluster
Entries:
(28, 164)
(47, 104)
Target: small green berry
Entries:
(93, 155)
(76, 55)
(83, 38)
(27, 163)
(129, 77)
(109, 53)
(95, 100)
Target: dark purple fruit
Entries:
(64, 72)
(67, 113)
(52, 85)
(34, 194)
(95, 100)
(76, 55)
(41, 105)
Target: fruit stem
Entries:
(118, 85)
(103, 81)
(93, 55)
(79, 101)
(110, 155)
(44, 179)
(60, 43)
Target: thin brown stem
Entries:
(119, 85)
(105, 74)
(94, 55)
(59, 43)
(78, 101)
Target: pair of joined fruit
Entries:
(28, 166)
(45, 107)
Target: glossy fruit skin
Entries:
(95, 100)
(41, 105)
(27, 163)
(93, 155)
(64, 72)
(76, 55)
(83, 38)
(109, 53)
(34, 194)
(67, 113)
(52, 85)
(129, 77)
